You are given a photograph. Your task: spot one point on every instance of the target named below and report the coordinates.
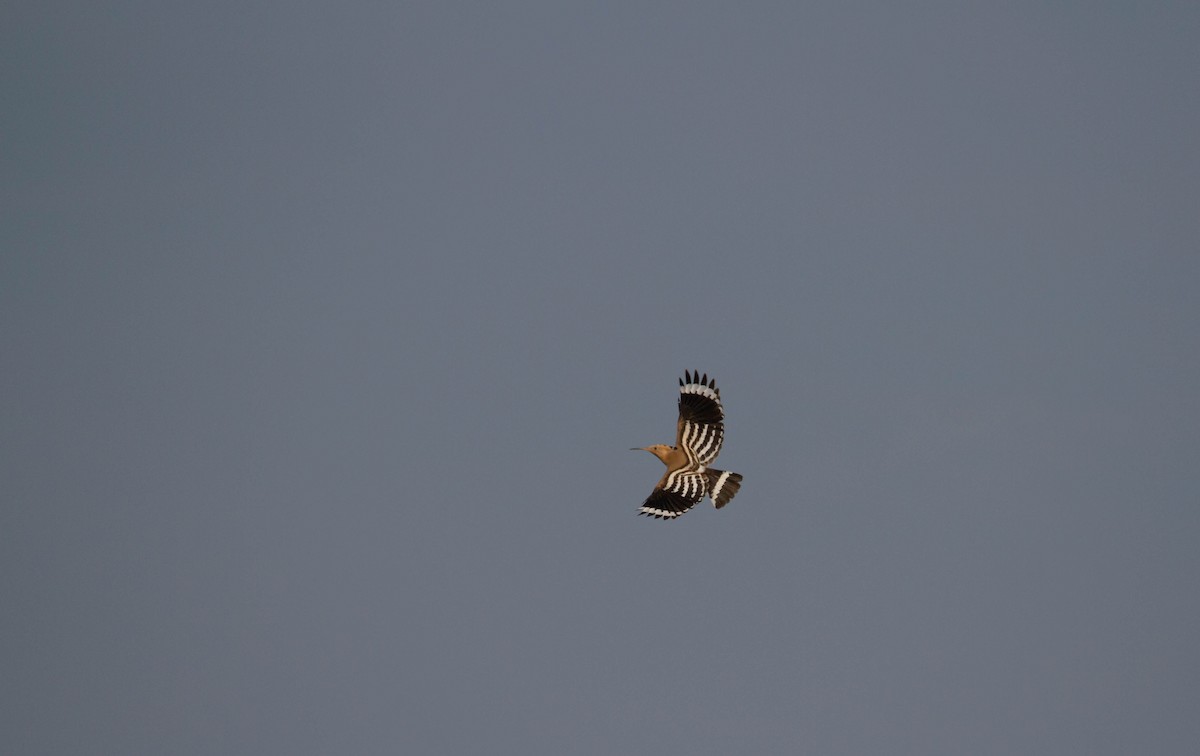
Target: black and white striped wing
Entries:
(675, 494)
(701, 426)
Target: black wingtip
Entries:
(695, 376)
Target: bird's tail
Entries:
(722, 486)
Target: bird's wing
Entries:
(675, 494)
(701, 428)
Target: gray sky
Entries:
(326, 329)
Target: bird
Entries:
(698, 436)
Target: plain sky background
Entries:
(326, 328)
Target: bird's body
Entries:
(698, 436)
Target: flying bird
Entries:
(698, 437)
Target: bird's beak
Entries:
(638, 448)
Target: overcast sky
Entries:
(326, 330)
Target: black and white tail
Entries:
(722, 486)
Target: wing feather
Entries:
(675, 494)
(701, 426)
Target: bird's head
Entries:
(659, 450)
